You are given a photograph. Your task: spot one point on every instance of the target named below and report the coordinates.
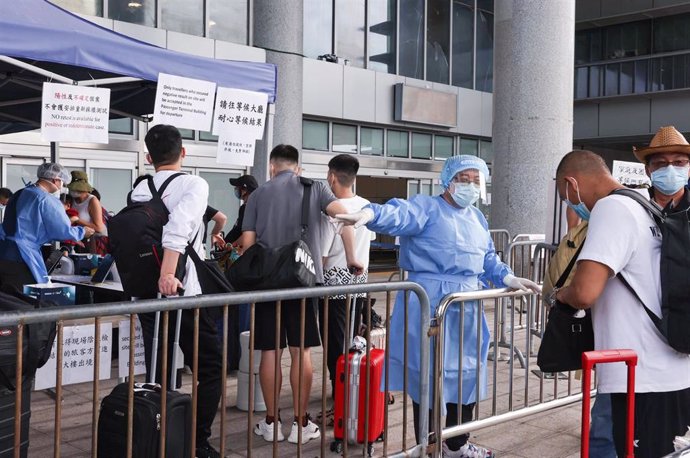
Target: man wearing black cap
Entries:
(244, 185)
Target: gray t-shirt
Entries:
(274, 211)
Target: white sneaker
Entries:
(469, 450)
(265, 430)
(309, 432)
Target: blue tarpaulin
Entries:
(44, 35)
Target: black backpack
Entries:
(675, 272)
(136, 234)
(37, 338)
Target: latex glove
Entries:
(357, 219)
(511, 281)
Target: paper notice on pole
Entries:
(236, 150)
(123, 348)
(240, 112)
(72, 113)
(78, 356)
(184, 102)
(630, 173)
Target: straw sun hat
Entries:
(666, 140)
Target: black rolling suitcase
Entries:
(112, 422)
(7, 421)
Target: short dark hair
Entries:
(345, 168)
(285, 153)
(5, 193)
(582, 161)
(164, 143)
(96, 194)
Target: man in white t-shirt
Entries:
(186, 198)
(624, 240)
(342, 172)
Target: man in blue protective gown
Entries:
(446, 247)
(34, 216)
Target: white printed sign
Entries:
(240, 113)
(184, 102)
(236, 150)
(123, 348)
(630, 173)
(74, 113)
(77, 356)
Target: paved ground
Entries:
(550, 434)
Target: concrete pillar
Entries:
(278, 27)
(533, 108)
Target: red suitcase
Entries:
(589, 359)
(352, 428)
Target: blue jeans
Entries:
(601, 429)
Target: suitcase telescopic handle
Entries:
(589, 359)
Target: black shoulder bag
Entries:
(287, 266)
(566, 336)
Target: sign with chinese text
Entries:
(77, 356)
(184, 102)
(72, 113)
(630, 173)
(123, 348)
(240, 113)
(236, 150)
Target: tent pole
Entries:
(54, 152)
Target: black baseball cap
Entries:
(245, 181)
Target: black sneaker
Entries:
(206, 451)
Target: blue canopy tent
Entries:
(40, 42)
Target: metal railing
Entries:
(518, 401)
(501, 239)
(195, 303)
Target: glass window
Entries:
(227, 20)
(487, 5)
(641, 76)
(315, 135)
(626, 77)
(666, 73)
(469, 146)
(113, 185)
(679, 72)
(421, 146)
(438, 41)
(485, 51)
(90, 7)
(318, 30)
(582, 47)
(595, 81)
(443, 147)
(412, 38)
(671, 33)
(371, 141)
(184, 16)
(486, 151)
(463, 44)
(382, 34)
(220, 197)
(627, 40)
(187, 134)
(349, 30)
(611, 79)
(581, 76)
(140, 12)
(655, 76)
(207, 136)
(344, 138)
(18, 175)
(398, 142)
(121, 126)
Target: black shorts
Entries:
(265, 321)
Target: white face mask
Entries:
(75, 194)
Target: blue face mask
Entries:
(238, 193)
(465, 194)
(580, 209)
(670, 179)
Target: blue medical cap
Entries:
(456, 164)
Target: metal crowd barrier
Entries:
(512, 394)
(501, 239)
(520, 256)
(195, 303)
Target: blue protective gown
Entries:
(41, 219)
(446, 250)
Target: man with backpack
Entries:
(186, 198)
(624, 245)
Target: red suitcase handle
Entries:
(589, 359)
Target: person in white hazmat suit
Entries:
(446, 247)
